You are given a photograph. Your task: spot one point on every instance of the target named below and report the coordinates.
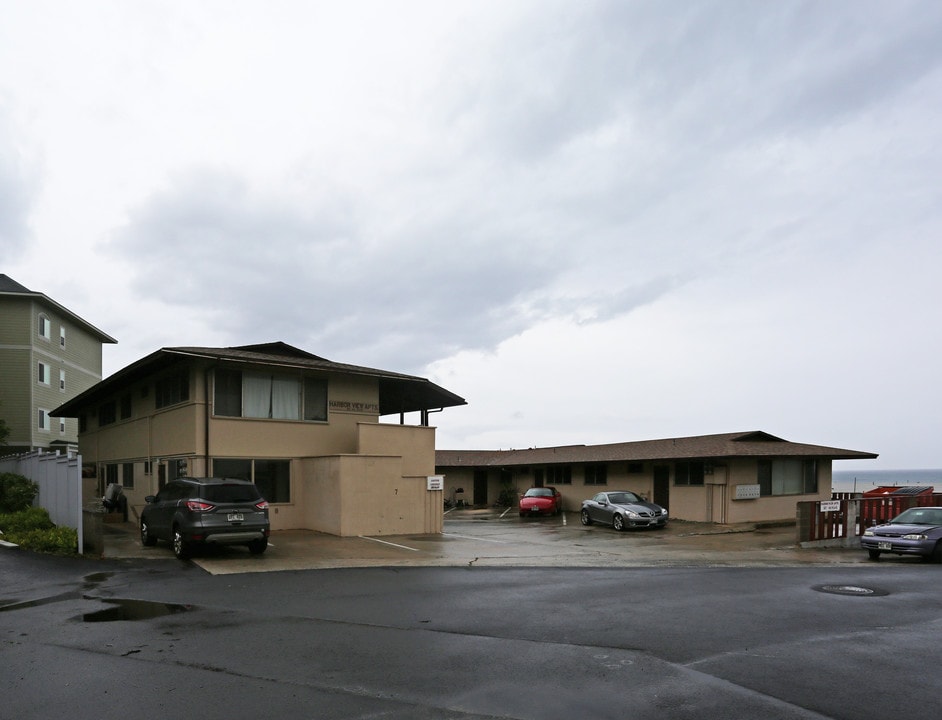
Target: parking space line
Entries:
(469, 537)
(384, 542)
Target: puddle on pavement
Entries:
(94, 579)
(131, 610)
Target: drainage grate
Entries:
(855, 590)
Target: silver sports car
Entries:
(623, 509)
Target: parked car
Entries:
(623, 509)
(541, 501)
(190, 512)
(917, 531)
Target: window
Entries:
(268, 395)
(62, 426)
(43, 420)
(172, 390)
(232, 468)
(688, 473)
(126, 406)
(111, 474)
(596, 474)
(127, 475)
(787, 476)
(272, 477)
(315, 399)
(62, 336)
(227, 393)
(62, 379)
(45, 331)
(42, 374)
(559, 475)
(106, 413)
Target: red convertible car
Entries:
(541, 501)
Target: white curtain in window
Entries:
(256, 395)
(285, 398)
(786, 477)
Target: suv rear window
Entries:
(231, 493)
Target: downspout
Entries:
(426, 413)
(206, 395)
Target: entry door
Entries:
(662, 485)
(480, 487)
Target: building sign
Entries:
(747, 492)
(358, 407)
(830, 505)
(436, 482)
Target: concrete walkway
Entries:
(493, 537)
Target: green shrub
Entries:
(33, 530)
(35, 518)
(16, 492)
(59, 540)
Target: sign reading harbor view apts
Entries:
(358, 407)
(747, 492)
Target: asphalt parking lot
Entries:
(498, 538)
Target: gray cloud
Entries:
(588, 163)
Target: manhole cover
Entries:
(850, 590)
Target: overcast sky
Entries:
(595, 221)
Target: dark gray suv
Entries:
(189, 512)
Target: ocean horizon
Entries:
(864, 480)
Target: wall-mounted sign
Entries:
(436, 482)
(830, 505)
(359, 407)
(747, 492)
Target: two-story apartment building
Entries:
(305, 429)
(48, 355)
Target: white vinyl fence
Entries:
(60, 484)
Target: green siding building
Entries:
(48, 355)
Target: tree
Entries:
(4, 432)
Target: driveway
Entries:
(498, 538)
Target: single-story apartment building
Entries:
(305, 429)
(724, 478)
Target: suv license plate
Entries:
(885, 545)
(236, 517)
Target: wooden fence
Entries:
(848, 515)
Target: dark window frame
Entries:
(126, 406)
(596, 474)
(172, 390)
(765, 476)
(272, 476)
(558, 474)
(689, 473)
(107, 413)
(127, 475)
(228, 396)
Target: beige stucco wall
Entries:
(414, 443)
(351, 495)
(573, 495)
(712, 502)
(350, 475)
